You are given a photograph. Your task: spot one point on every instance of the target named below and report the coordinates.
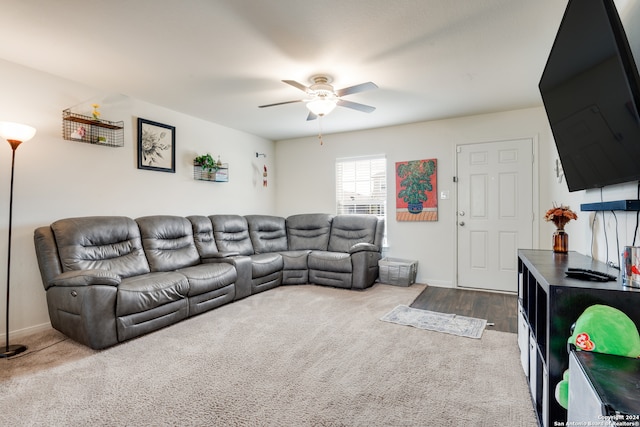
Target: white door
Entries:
(495, 212)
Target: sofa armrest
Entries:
(244, 269)
(220, 255)
(359, 247)
(86, 278)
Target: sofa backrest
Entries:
(168, 242)
(203, 235)
(231, 233)
(100, 242)
(347, 230)
(267, 233)
(308, 231)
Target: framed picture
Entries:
(416, 190)
(156, 146)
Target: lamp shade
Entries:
(16, 131)
(321, 106)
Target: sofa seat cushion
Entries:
(265, 264)
(338, 262)
(295, 260)
(209, 277)
(145, 292)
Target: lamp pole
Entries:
(15, 134)
(10, 350)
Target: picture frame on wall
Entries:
(156, 146)
(416, 190)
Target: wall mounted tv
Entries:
(591, 92)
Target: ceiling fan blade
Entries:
(279, 103)
(356, 106)
(296, 85)
(311, 116)
(357, 88)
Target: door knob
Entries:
(461, 223)
(461, 213)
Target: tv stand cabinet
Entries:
(548, 304)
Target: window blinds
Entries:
(361, 185)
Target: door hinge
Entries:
(455, 179)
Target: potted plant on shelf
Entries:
(207, 163)
(416, 181)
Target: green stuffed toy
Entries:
(601, 329)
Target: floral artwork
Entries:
(416, 190)
(156, 146)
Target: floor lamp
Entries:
(15, 134)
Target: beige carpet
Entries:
(291, 356)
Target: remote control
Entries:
(586, 274)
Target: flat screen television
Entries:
(591, 92)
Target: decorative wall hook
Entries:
(261, 155)
(559, 171)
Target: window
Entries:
(361, 185)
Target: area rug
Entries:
(290, 356)
(469, 327)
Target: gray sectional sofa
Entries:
(109, 279)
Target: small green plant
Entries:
(206, 162)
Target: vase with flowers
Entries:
(560, 216)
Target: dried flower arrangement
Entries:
(560, 216)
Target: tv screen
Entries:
(591, 92)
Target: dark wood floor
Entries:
(497, 308)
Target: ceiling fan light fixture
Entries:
(322, 106)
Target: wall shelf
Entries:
(219, 175)
(616, 205)
(76, 127)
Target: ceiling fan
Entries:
(323, 98)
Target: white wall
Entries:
(56, 178)
(306, 177)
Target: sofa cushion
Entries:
(208, 277)
(339, 262)
(231, 233)
(203, 235)
(168, 242)
(309, 231)
(100, 243)
(145, 292)
(265, 264)
(268, 233)
(295, 260)
(347, 230)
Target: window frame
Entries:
(366, 185)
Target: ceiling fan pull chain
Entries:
(320, 129)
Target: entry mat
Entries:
(441, 322)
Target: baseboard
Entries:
(13, 335)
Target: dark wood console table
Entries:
(548, 304)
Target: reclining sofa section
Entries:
(109, 279)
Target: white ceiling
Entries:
(220, 59)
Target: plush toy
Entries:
(601, 329)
